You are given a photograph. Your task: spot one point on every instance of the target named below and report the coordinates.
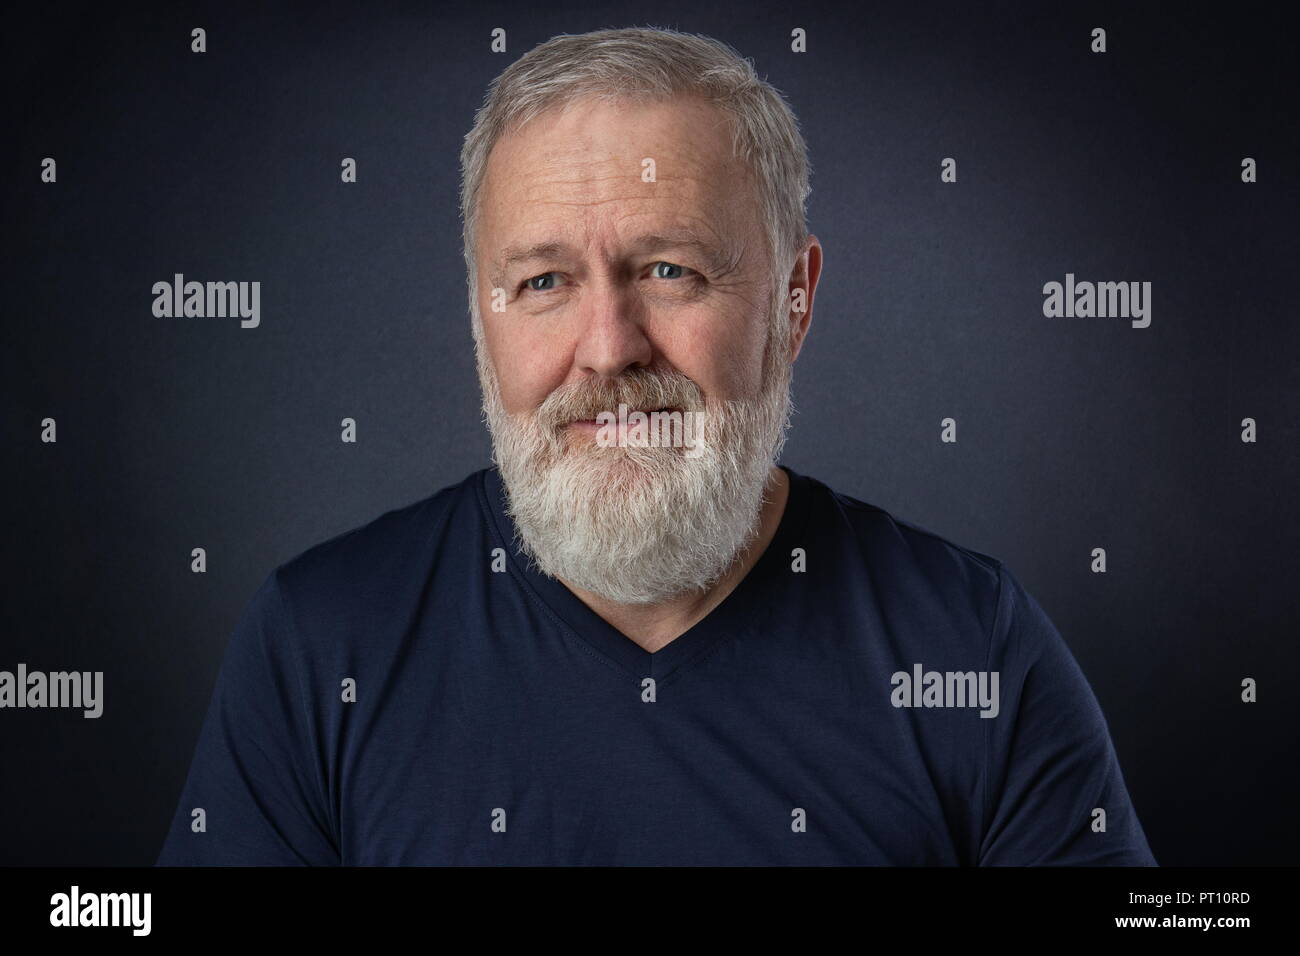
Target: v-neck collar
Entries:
(732, 617)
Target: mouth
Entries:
(592, 423)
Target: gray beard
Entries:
(640, 525)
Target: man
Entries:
(610, 650)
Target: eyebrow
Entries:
(716, 259)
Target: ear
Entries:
(803, 286)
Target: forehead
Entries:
(580, 170)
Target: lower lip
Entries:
(590, 425)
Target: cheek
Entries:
(527, 371)
(724, 358)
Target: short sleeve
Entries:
(1052, 777)
(252, 774)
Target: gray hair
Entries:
(646, 62)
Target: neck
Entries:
(653, 626)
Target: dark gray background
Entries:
(1073, 433)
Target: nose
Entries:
(611, 337)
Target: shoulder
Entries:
(951, 597)
(370, 566)
(905, 559)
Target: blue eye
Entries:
(545, 282)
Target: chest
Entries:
(554, 771)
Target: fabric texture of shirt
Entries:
(494, 719)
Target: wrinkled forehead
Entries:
(682, 128)
(592, 164)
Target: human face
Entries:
(657, 294)
(603, 272)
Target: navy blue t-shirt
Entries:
(413, 692)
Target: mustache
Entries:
(637, 389)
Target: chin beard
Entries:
(638, 525)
